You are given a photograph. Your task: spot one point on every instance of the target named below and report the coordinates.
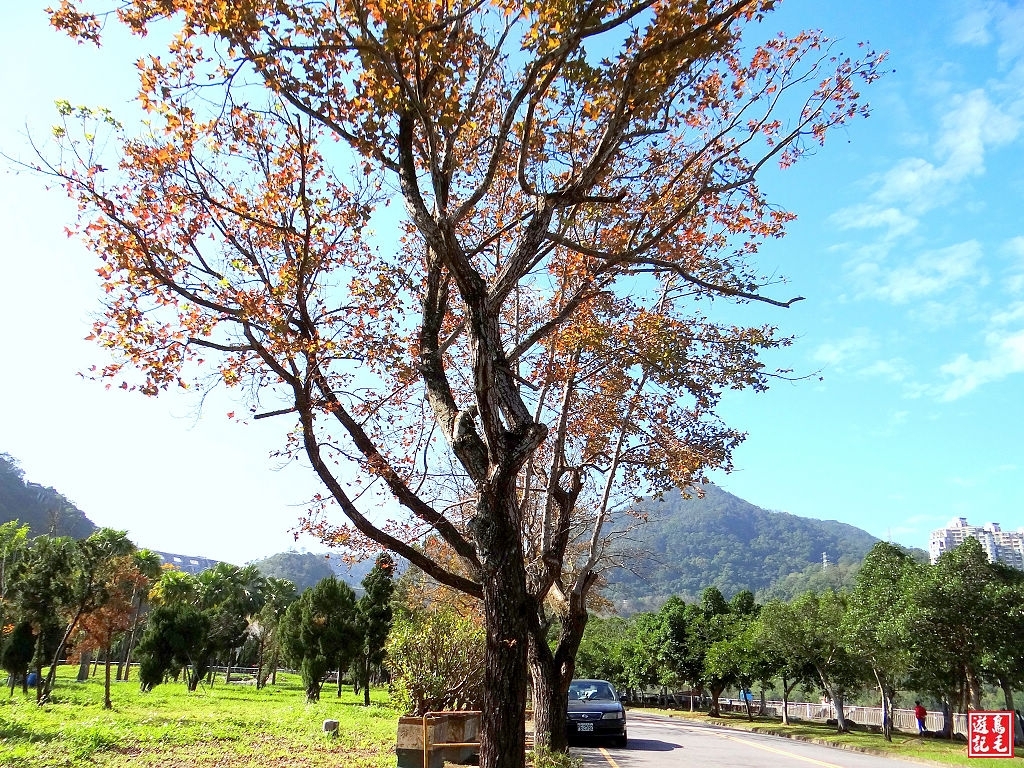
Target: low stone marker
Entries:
(331, 727)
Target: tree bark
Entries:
(785, 699)
(1018, 734)
(83, 667)
(716, 693)
(106, 682)
(507, 609)
(553, 671)
(886, 696)
(366, 678)
(974, 689)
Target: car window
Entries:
(595, 691)
(603, 692)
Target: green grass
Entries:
(223, 726)
(903, 745)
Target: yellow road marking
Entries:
(780, 752)
(608, 757)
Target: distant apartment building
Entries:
(1002, 546)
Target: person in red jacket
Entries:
(920, 713)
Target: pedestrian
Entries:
(920, 713)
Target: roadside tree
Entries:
(879, 621)
(778, 645)
(579, 182)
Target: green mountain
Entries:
(43, 509)
(723, 541)
(688, 544)
(304, 569)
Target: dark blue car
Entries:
(595, 711)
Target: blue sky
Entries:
(909, 247)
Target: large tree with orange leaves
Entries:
(533, 347)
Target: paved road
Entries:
(662, 742)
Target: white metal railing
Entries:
(902, 719)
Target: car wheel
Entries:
(619, 741)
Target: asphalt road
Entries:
(662, 742)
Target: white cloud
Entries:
(971, 124)
(972, 28)
(1004, 357)
(868, 216)
(930, 274)
(1014, 281)
(896, 369)
(838, 352)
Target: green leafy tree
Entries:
(953, 625)
(676, 662)
(86, 587)
(319, 632)
(13, 543)
(879, 620)
(963, 619)
(43, 592)
(149, 564)
(1003, 662)
(435, 655)
(818, 634)
(174, 640)
(280, 593)
(777, 642)
(231, 597)
(640, 652)
(16, 649)
(600, 652)
(375, 617)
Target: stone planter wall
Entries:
(442, 728)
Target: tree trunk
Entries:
(1018, 735)
(46, 688)
(837, 699)
(886, 705)
(974, 689)
(785, 699)
(106, 682)
(366, 678)
(553, 671)
(83, 667)
(507, 609)
(716, 693)
(127, 658)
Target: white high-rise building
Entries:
(1002, 546)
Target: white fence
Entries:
(902, 719)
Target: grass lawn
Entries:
(222, 726)
(903, 745)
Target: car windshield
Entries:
(591, 691)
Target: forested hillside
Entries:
(723, 541)
(304, 569)
(719, 540)
(43, 509)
